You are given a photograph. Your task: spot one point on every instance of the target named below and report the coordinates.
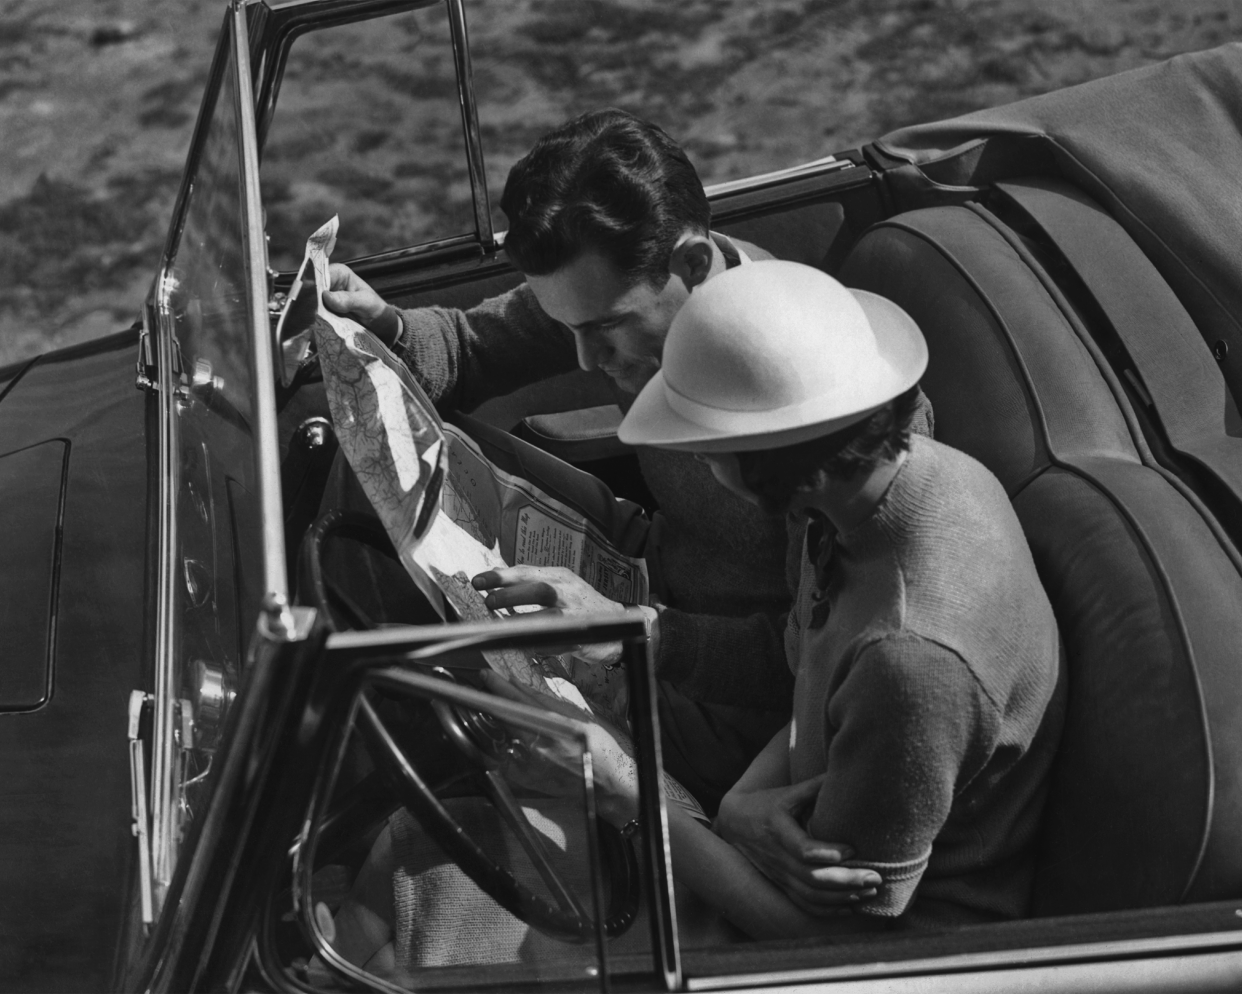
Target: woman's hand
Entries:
(764, 825)
(558, 591)
(613, 769)
(352, 297)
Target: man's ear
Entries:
(691, 260)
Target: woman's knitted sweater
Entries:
(929, 691)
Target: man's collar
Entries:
(734, 256)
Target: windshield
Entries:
(212, 535)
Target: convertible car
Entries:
(218, 684)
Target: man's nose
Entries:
(591, 351)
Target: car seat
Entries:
(1145, 803)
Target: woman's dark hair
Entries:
(606, 181)
(775, 474)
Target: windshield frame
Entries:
(283, 23)
(229, 64)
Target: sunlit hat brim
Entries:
(654, 420)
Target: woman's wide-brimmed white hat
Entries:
(771, 354)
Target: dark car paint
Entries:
(32, 493)
(65, 842)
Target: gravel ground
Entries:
(97, 99)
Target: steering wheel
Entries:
(486, 745)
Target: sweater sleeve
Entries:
(462, 358)
(909, 726)
(721, 660)
(742, 662)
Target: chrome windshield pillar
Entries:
(470, 125)
(267, 445)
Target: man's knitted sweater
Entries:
(929, 691)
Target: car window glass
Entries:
(201, 305)
(392, 896)
(367, 125)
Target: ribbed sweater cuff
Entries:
(900, 880)
(677, 645)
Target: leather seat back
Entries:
(1145, 803)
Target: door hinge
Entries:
(148, 376)
(140, 707)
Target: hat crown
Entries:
(772, 335)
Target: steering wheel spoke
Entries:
(534, 846)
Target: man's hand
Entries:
(764, 825)
(352, 297)
(559, 591)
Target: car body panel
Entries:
(64, 786)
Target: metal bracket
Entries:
(138, 702)
(148, 376)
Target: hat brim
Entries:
(652, 421)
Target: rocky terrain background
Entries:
(98, 97)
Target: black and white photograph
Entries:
(621, 496)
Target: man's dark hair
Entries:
(606, 181)
(774, 475)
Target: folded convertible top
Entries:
(1159, 147)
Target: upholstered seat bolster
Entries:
(1036, 393)
(1134, 774)
(1160, 339)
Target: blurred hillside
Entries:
(97, 99)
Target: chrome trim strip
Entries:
(197, 140)
(470, 123)
(434, 688)
(263, 369)
(163, 855)
(657, 859)
(503, 633)
(828, 164)
(1043, 955)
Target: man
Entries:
(609, 222)
(929, 696)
